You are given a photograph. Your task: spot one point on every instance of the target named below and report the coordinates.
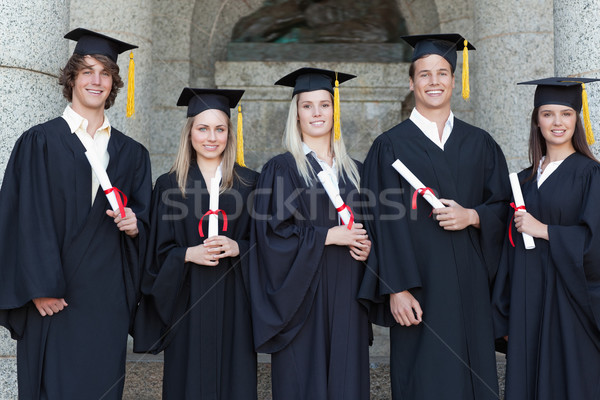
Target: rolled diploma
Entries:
(334, 195)
(213, 219)
(103, 179)
(416, 183)
(518, 195)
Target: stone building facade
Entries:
(184, 43)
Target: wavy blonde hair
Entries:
(292, 142)
(186, 154)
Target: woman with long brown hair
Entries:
(547, 299)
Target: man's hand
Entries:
(454, 217)
(405, 308)
(49, 305)
(127, 224)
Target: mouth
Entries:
(558, 132)
(94, 91)
(210, 147)
(317, 123)
(436, 92)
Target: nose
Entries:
(212, 135)
(96, 78)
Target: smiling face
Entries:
(432, 83)
(209, 134)
(92, 87)
(557, 124)
(315, 113)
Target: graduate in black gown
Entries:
(306, 268)
(195, 303)
(70, 270)
(429, 274)
(547, 299)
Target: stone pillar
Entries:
(131, 22)
(33, 51)
(576, 35)
(513, 44)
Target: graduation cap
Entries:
(311, 79)
(445, 45)
(90, 43)
(568, 92)
(199, 100)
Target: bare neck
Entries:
(320, 145)
(95, 118)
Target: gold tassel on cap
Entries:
(466, 88)
(240, 138)
(131, 87)
(337, 122)
(589, 135)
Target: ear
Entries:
(411, 84)
(453, 80)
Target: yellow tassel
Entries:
(466, 88)
(131, 87)
(589, 135)
(240, 138)
(337, 122)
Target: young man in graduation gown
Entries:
(429, 272)
(70, 264)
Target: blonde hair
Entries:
(292, 142)
(186, 154)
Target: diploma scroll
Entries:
(103, 179)
(417, 184)
(334, 195)
(520, 205)
(213, 219)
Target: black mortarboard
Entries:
(557, 90)
(565, 91)
(311, 79)
(445, 45)
(198, 100)
(89, 42)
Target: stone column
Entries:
(577, 54)
(513, 44)
(33, 51)
(131, 22)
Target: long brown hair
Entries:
(76, 63)
(537, 143)
(186, 155)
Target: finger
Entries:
(418, 311)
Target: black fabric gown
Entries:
(547, 300)
(199, 315)
(54, 243)
(451, 353)
(303, 293)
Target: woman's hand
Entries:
(355, 238)
(526, 223)
(405, 308)
(49, 305)
(222, 246)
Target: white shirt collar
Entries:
(429, 128)
(76, 121)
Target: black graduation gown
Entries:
(199, 315)
(548, 299)
(303, 293)
(451, 353)
(53, 243)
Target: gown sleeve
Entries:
(575, 249)
(392, 266)
(494, 208)
(163, 279)
(31, 258)
(285, 257)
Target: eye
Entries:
(307, 106)
(567, 114)
(220, 129)
(443, 73)
(325, 105)
(105, 73)
(202, 129)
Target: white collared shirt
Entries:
(331, 171)
(430, 128)
(550, 168)
(98, 144)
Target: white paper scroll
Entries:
(213, 219)
(519, 202)
(103, 179)
(416, 184)
(334, 195)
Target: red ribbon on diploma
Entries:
(422, 192)
(345, 207)
(122, 204)
(211, 212)
(520, 208)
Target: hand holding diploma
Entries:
(519, 205)
(213, 205)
